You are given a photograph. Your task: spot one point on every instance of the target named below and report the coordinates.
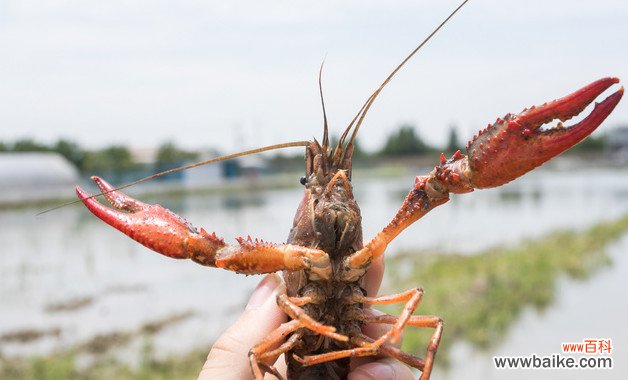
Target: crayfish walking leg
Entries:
(365, 346)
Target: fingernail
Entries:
(376, 313)
(376, 370)
(263, 291)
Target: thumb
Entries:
(228, 357)
(386, 368)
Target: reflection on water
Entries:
(68, 255)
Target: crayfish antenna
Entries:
(186, 167)
(371, 99)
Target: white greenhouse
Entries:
(26, 177)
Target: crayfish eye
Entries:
(303, 180)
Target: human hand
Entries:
(228, 358)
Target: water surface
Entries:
(68, 257)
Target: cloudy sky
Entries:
(240, 74)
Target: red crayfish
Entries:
(325, 259)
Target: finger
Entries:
(280, 366)
(228, 357)
(382, 369)
(375, 330)
(372, 281)
(373, 277)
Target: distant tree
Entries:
(358, 152)
(169, 155)
(29, 145)
(590, 144)
(120, 157)
(404, 141)
(281, 161)
(453, 143)
(115, 158)
(71, 151)
(4, 147)
(333, 141)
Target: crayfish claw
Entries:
(566, 107)
(118, 199)
(151, 225)
(110, 216)
(516, 144)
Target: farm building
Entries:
(26, 177)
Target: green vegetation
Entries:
(111, 161)
(103, 365)
(71, 151)
(590, 144)
(63, 367)
(117, 161)
(404, 142)
(115, 157)
(169, 155)
(453, 142)
(480, 296)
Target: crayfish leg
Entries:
(264, 352)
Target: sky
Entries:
(242, 74)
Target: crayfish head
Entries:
(328, 217)
(323, 163)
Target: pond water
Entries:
(109, 283)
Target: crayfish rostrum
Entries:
(324, 260)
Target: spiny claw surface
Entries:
(151, 225)
(516, 144)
